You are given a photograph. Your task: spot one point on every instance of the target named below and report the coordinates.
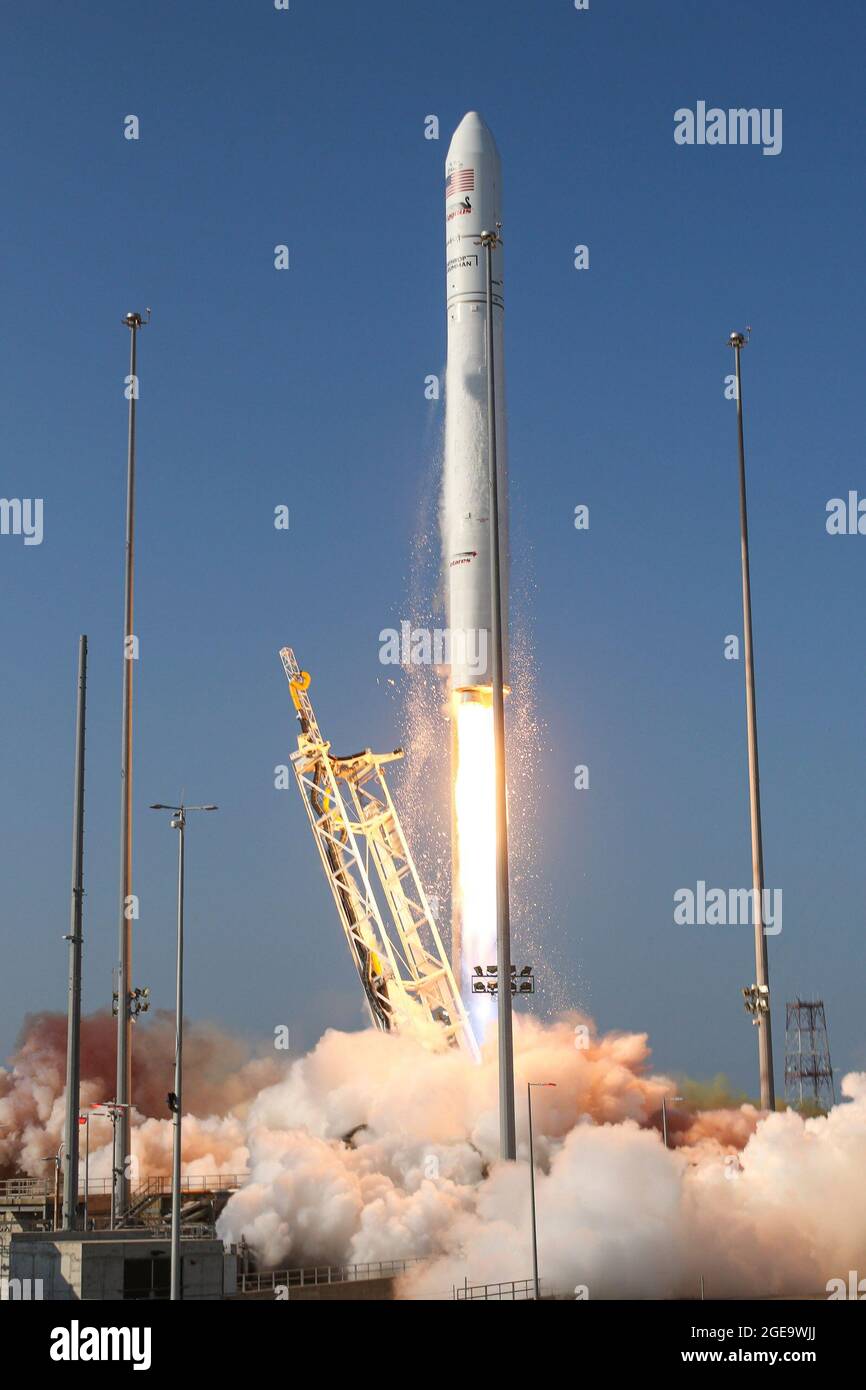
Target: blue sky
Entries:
(306, 387)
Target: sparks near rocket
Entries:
(473, 187)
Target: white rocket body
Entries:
(473, 189)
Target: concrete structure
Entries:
(113, 1265)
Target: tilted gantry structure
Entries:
(398, 953)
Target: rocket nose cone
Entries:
(473, 120)
(474, 136)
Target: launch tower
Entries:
(398, 952)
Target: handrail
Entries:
(321, 1274)
(23, 1189)
(506, 1289)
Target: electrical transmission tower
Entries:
(398, 953)
(808, 1069)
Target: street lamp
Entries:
(529, 1086)
(57, 1160)
(84, 1119)
(123, 1087)
(114, 1111)
(110, 1110)
(178, 822)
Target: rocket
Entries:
(473, 192)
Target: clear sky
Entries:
(306, 388)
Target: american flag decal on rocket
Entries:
(461, 181)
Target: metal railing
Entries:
(199, 1230)
(15, 1191)
(208, 1182)
(321, 1274)
(25, 1189)
(509, 1289)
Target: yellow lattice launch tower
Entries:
(398, 953)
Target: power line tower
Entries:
(808, 1069)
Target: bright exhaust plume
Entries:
(475, 828)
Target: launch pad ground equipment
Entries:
(398, 953)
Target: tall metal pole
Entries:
(532, 1194)
(112, 1214)
(762, 1012)
(529, 1086)
(112, 1110)
(86, 1168)
(507, 1139)
(73, 1004)
(179, 823)
(123, 1089)
(57, 1165)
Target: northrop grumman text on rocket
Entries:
(473, 186)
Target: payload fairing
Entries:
(473, 188)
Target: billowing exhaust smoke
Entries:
(221, 1078)
(372, 1149)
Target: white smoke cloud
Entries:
(221, 1079)
(372, 1149)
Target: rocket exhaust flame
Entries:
(475, 833)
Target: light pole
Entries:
(111, 1110)
(73, 1025)
(178, 823)
(84, 1117)
(507, 1140)
(529, 1086)
(123, 1090)
(757, 999)
(57, 1160)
